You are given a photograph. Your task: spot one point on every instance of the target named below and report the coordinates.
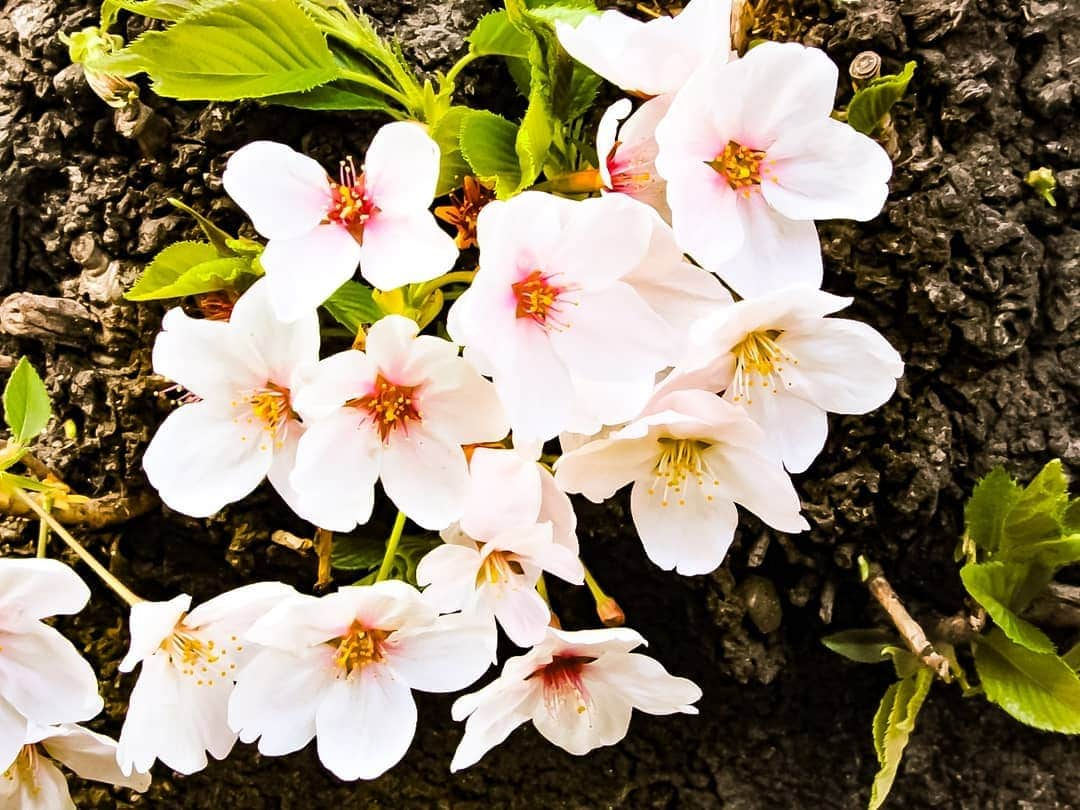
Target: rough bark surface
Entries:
(969, 273)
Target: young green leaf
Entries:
(1004, 589)
(217, 237)
(1037, 689)
(1072, 657)
(488, 144)
(893, 724)
(352, 553)
(862, 646)
(352, 306)
(873, 101)
(453, 166)
(231, 49)
(341, 95)
(168, 10)
(1052, 554)
(988, 507)
(26, 403)
(495, 36)
(191, 268)
(1039, 512)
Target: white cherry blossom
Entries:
(553, 317)
(341, 668)
(654, 57)
(627, 152)
(787, 364)
(190, 660)
(43, 678)
(34, 782)
(321, 229)
(399, 411)
(752, 157)
(579, 689)
(492, 559)
(691, 457)
(243, 428)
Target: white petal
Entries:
(401, 168)
(523, 614)
(303, 272)
(284, 193)
(236, 610)
(281, 470)
(365, 724)
(645, 683)
(536, 389)
(795, 428)
(205, 357)
(704, 215)
(43, 788)
(150, 624)
(91, 756)
(605, 239)
(493, 722)
(449, 574)
(556, 509)
(13, 733)
(45, 678)
(521, 232)
(606, 134)
(426, 477)
(579, 723)
(757, 483)
(205, 456)
(462, 405)
(32, 589)
(504, 493)
(285, 348)
(404, 249)
(600, 468)
(447, 655)
(337, 379)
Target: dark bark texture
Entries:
(972, 276)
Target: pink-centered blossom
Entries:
(493, 557)
(691, 456)
(553, 316)
(787, 365)
(650, 58)
(342, 668)
(43, 678)
(752, 157)
(579, 689)
(398, 411)
(243, 428)
(319, 229)
(34, 782)
(627, 152)
(190, 660)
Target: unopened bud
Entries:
(611, 615)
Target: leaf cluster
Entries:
(352, 552)
(872, 102)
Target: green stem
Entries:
(541, 588)
(382, 87)
(391, 547)
(451, 75)
(458, 277)
(43, 531)
(117, 587)
(607, 609)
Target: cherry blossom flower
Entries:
(691, 457)
(341, 668)
(190, 660)
(752, 157)
(492, 559)
(43, 678)
(578, 689)
(33, 782)
(628, 152)
(552, 318)
(654, 57)
(400, 411)
(244, 428)
(320, 229)
(782, 360)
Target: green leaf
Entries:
(453, 166)
(1072, 657)
(871, 103)
(488, 144)
(1052, 554)
(862, 646)
(26, 403)
(1070, 520)
(988, 507)
(352, 553)
(893, 724)
(340, 95)
(231, 49)
(495, 36)
(584, 87)
(1004, 590)
(168, 10)
(352, 306)
(1039, 512)
(22, 482)
(190, 268)
(1037, 689)
(219, 238)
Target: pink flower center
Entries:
(358, 647)
(350, 205)
(562, 682)
(739, 165)
(537, 298)
(390, 406)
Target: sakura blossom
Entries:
(44, 680)
(787, 365)
(628, 151)
(578, 688)
(190, 660)
(243, 426)
(752, 157)
(650, 58)
(552, 316)
(34, 782)
(691, 456)
(341, 669)
(320, 229)
(399, 411)
(491, 560)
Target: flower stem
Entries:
(422, 291)
(375, 84)
(606, 608)
(324, 541)
(391, 547)
(117, 587)
(587, 181)
(451, 75)
(43, 531)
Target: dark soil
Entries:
(974, 278)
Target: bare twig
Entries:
(94, 513)
(324, 541)
(910, 630)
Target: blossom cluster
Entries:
(668, 333)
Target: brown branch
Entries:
(95, 513)
(324, 541)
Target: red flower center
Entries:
(390, 406)
(537, 298)
(350, 205)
